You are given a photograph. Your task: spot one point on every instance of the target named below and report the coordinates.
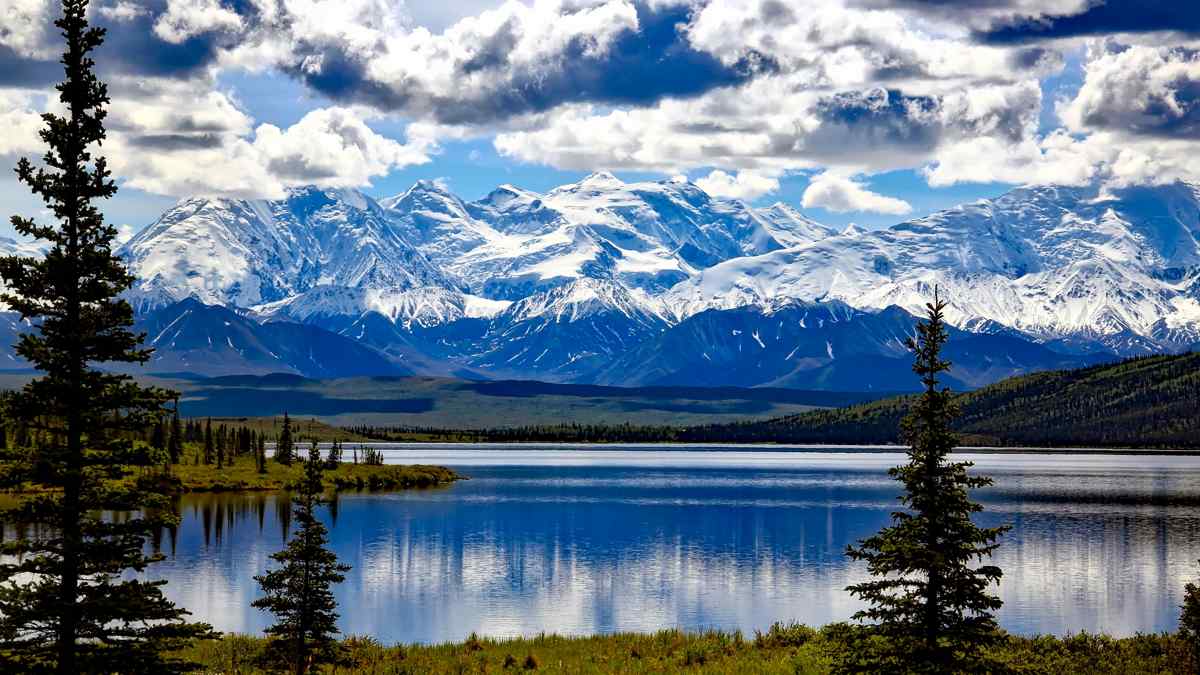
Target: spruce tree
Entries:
(208, 442)
(158, 436)
(1189, 622)
(284, 450)
(335, 455)
(67, 604)
(175, 441)
(298, 592)
(261, 453)
(222, 441)
(930, 609)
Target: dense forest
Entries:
(1148, 402)
(1142, 402)
(569, 432)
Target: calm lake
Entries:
(573, 540)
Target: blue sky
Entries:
(863, 111)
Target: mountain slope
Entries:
(647, 235)
(245, 253)
(1048, 261)
(658, 282)
(190, 336)
(827, 345)
(567, 333)
(1141, 402)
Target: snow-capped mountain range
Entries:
(657, 282)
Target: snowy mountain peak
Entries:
(601, 180)
(1046, 261)
(508, 196)
(584, 297)
(561, 285)
(426, 195)
(250, 252)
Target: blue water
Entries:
(584, 540)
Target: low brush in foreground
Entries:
(784, 649)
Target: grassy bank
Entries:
(242, 475)
(783, 649)
(303, 428)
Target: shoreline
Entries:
(187, 479)
(183, 479)
(814, 448)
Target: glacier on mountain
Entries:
(653, 282)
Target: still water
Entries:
(574, 540)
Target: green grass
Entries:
(304, 429)
(793, 649)
(450, 403)
(242, 475)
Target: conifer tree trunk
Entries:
(929, 604)
(64, 606)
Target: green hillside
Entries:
(468, 404)
(1143, 402)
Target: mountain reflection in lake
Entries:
(581, 541)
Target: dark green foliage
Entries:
(261, 454)
(369, 456)
(175, 441)
(930, 609)
(284, 447)
(570, 432)
(158, 435)
(1189, 619)
(222, 441)
(298, 591)
(335, 455)
(1147, 402)
(208, 443)
(21, 434)
(65, 603)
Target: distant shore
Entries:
(244, 477)
(682, 446)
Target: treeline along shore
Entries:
(226, 455)
(1146, 402)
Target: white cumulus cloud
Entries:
(20, 123)
(843, 195)
(332, 147)
(188, 18)
(746, 185)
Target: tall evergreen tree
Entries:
(158, 435)
(66, 604)
(208, 442)
(222, 442)
(335, 455)
(175, 440)
(298, 592)
(284, 450)
(1189, 622)
(21, 434)
(261, 453)
(930, 609)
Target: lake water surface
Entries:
(582, 540)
